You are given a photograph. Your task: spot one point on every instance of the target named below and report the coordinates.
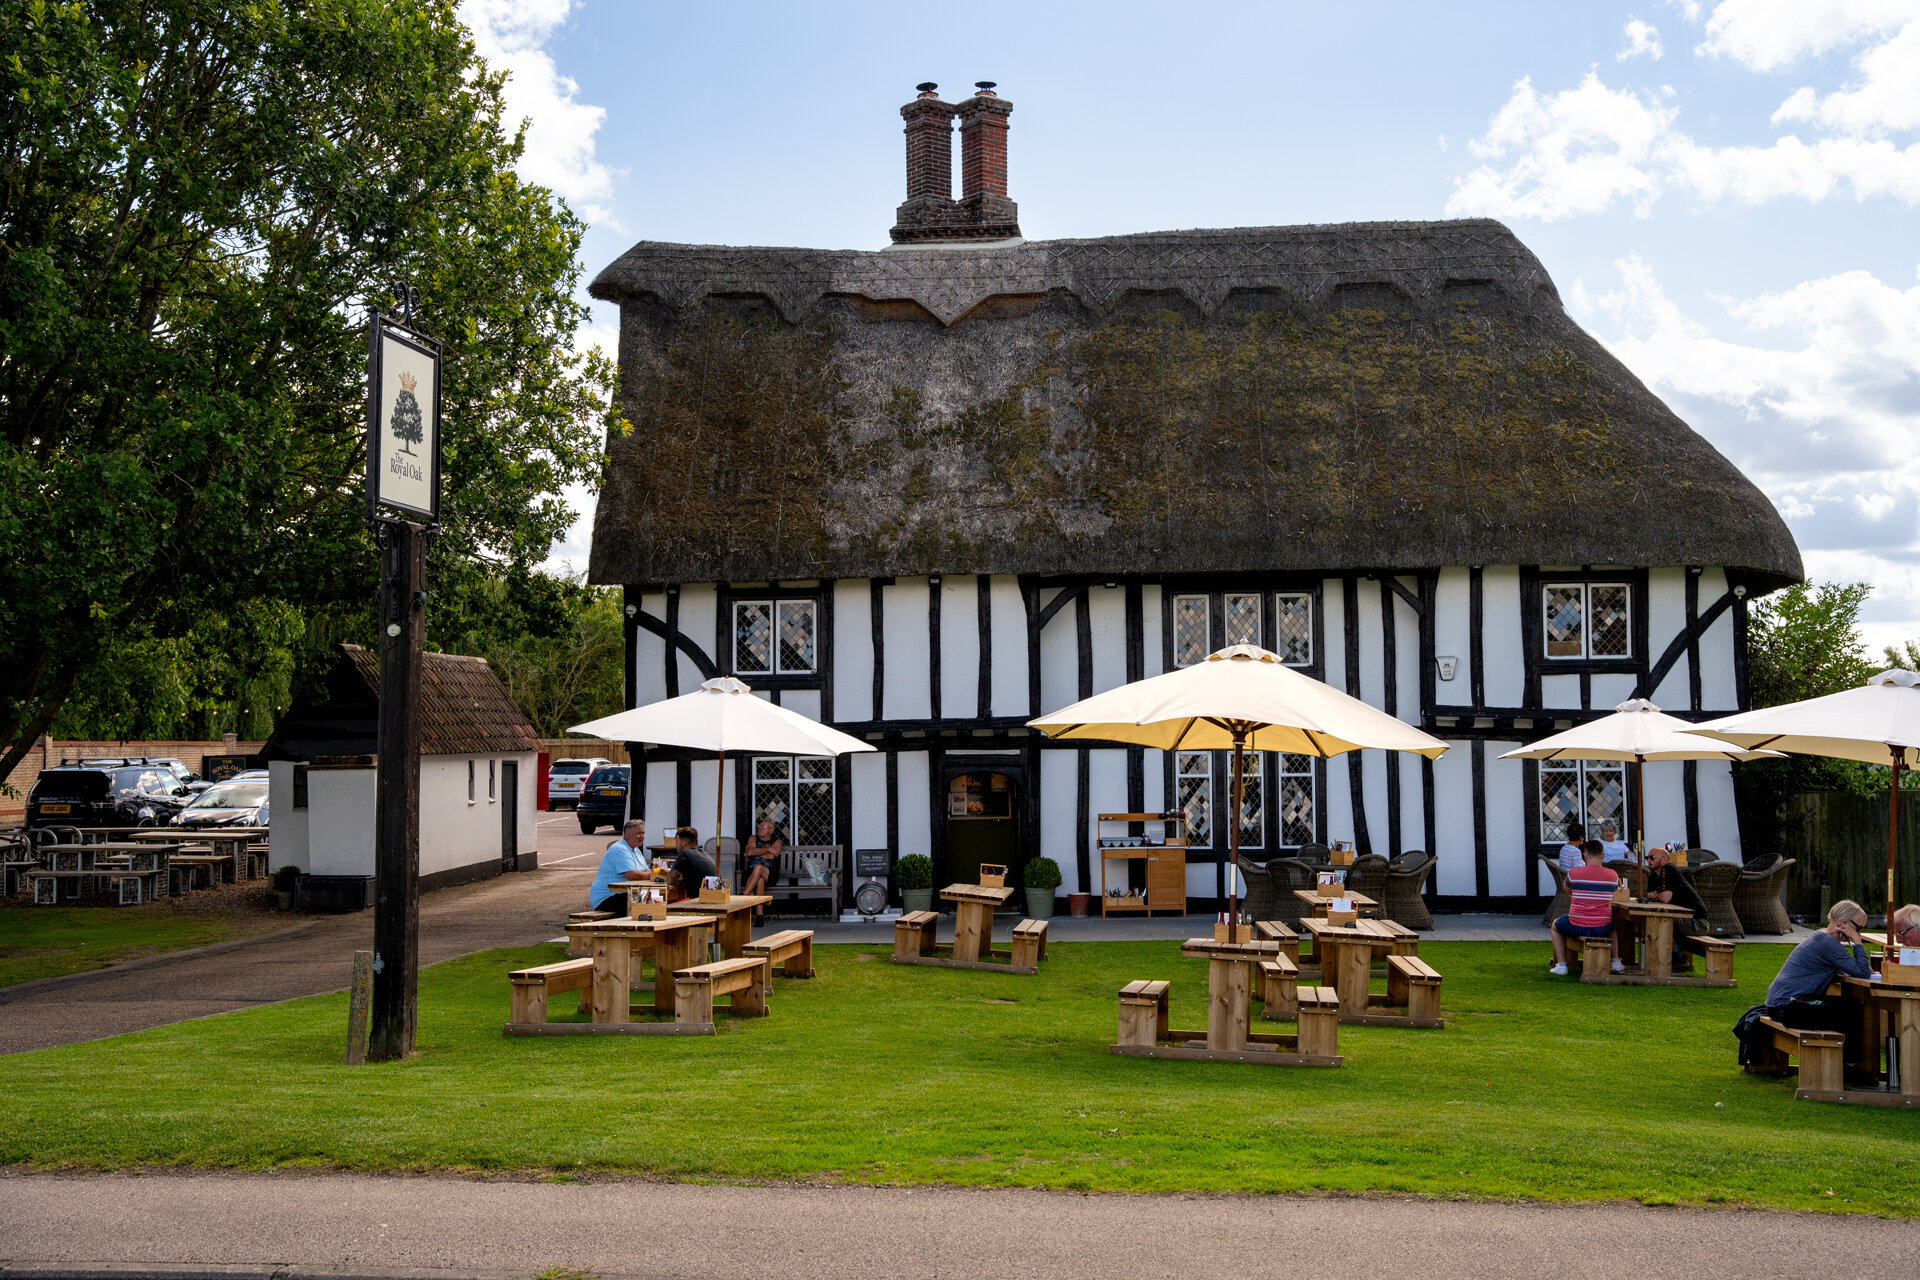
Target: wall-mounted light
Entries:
(393, 628)
(1739, 593)
(632, 611)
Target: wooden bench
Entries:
(791, 947)
(1280, 988)
(1820, 1054)
(913, 934)
(788, 881)
(1319, 1022)
(1029, 944)
(1405, 941)
(531, 987)
(745, 979)
(1718, 953)
(1143, 1013)
(578, 944)
(1412, 982)
(1277, 931)
(1596, 958)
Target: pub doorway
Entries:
(983, 824)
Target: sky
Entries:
(1725, 194)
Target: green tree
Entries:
(1906, 656)
(197, 202)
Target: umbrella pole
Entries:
(719, 796)
(1639, 825)
(1233, 845)
(1893, 836)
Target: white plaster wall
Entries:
(1716, 652)
(1507, 843)
(1557, 693)
(456, 833)
(916, 818)
(908, 671)
(1413, 813)
(340, 821)
(1009, 631)
(1407, 657)
(1719, 825)
(650, 653)
(699, 604)
(1108, 615)
(805, 702)
(1333, 632)
(660, 801)
(1373, 780)
(1667, 618)
(1373, 681)
(1152, 643)
(1059, 838)
(959, 647)
(1609, 691)
(853, 651)
(288, 831)
(1338, 798)
(1453, 815)
(1059, 659)
(1452, 636)
(869, 800)
(1153, 793)
(1665, 805)
(701, 819)
(1106, 793)
(1500, 635)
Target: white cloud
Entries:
(510, 35)
(1764, 34)
(1576, 151)
(1884, 96)
(1642, 39)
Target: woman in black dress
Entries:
(762, 856)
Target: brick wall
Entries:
(48, 753)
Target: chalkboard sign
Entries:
(220, 768)
(869, 863)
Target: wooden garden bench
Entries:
(1596, 958)
(791, 947)
(1143, 1012)
(1820, 1055)
(745, 979)
(1413, 982)
(1319, 1021)
(578, 944)
(1280, 987)
(1277, 931)
(1718, 953)
(1029, 943)
(531, 987)
(913, 934)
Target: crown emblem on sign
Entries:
(408, 382)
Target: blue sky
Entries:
(1725, 193)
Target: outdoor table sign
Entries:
(1649, 928)
(972, 946)
(1229, 1034)
(646, 899)
(677, 943)
(732, 914)
(1346, 953)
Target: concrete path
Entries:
(284, 1226)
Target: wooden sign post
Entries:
(359, 997)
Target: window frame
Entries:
(1585, 586)
(1206, 614)
(1215, 594)
(774, 603)
(470, 773)
(302, 797)
(1579, 769)
(792, 784)
(1206, 795)
(493, 783)
(1311, 773)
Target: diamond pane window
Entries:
(1253, 802)
(1605, 791)
(1297, 824)
(1559, 802)
(1565, 622)
(1243, 619)
(753, 636)
(1193, 786)
(1191, 641)
(1592, 794)
(1607, 620)
(796, 795)
(1293, 623)
(796, 637)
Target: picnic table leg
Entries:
(1906, 1026)
(673, 950)
(1657, 960)
(736, 933)
(1229, 1004)
(967, 929)
(612, 965)
(1356, 973)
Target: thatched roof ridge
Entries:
(1322, 398)
(464, 710)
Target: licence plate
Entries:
(56, 808)
(612, 793)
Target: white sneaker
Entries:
(1617, 966)
(1559, 970)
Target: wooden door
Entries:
(509, 815)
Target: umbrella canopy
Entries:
(722, 716)
(1242, 698)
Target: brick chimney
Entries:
(928, 212)
(984, 206)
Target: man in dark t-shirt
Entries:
(691, 865)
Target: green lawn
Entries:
(45, 942)
(876, 1072)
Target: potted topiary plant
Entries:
(283, 881)
(914, 875)
(1042, 877)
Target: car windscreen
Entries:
(231, 795)
(614, 777)
(570, 766)
(85, 785)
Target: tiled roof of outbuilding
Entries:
(464, 710)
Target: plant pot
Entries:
(286, 898)
(917, 899)
(1077, 904)
(1040, 904)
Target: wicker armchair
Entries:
(1756, 898)
(1315, 855)
(1406, 877)
(1283, 876)
(1368, 875)
(1562, 897)
(1260, 899)
(1715, 884)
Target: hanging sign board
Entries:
(403, 422)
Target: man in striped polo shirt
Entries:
(1590, 915)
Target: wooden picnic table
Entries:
(1649, 926)
(1346, 952)
(677, 942)
(1892, 1010)
(1229, 987)
(1313, 898)
(733, 918)
(973, 908)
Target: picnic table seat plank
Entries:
(791, 948)
(744, 978)
(913, 934)
(1413, 983)
(1279, 988)
(1717, 952)
(1819, 1055)
(1029, 944)
(531, 987)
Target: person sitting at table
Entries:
(625, 859)
(1904, 929)
(1798, 997)
(690, 865)
(1570, 851)
(1611, 844)
(1590, 914)
(762, 856)
(1666, 883)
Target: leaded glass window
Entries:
(796, 636)
(1243, 619)
(796, 796)
(1253, 802)
(1587, 620)
(1592, 793)
(1193, 785)
(1293, 627)
(1297, 826)
(1607, 620)
(753, 636)
(774, 637)
(1191, 641)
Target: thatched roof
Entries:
(1365, 396)
(464, 710)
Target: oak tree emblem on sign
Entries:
(407, 426)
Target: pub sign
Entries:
(403, 421)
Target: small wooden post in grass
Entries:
(359, 997)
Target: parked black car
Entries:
(133, 796)
(603, 801)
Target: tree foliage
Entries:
(198, 201)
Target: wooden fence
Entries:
(1839, 841)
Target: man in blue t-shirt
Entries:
(625, 859)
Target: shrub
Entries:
(283, 878)
(915, 871)
(1041, 873)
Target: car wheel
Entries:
(588, 828)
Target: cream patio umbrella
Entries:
(1878, 723)
(1635, 733)
(1242, 698)
(723, 715)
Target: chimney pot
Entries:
(927, 89)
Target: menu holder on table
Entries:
(993, 875)
(714, 891)
(1330, 884)
(1341, 911)
(1901, 966)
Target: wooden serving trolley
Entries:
(1165, 858)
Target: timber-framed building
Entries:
(929, 492)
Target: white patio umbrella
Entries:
(723, 715)
(1635, 733)
(1240, 699)
(1878, 723)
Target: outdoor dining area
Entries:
(62, 865)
